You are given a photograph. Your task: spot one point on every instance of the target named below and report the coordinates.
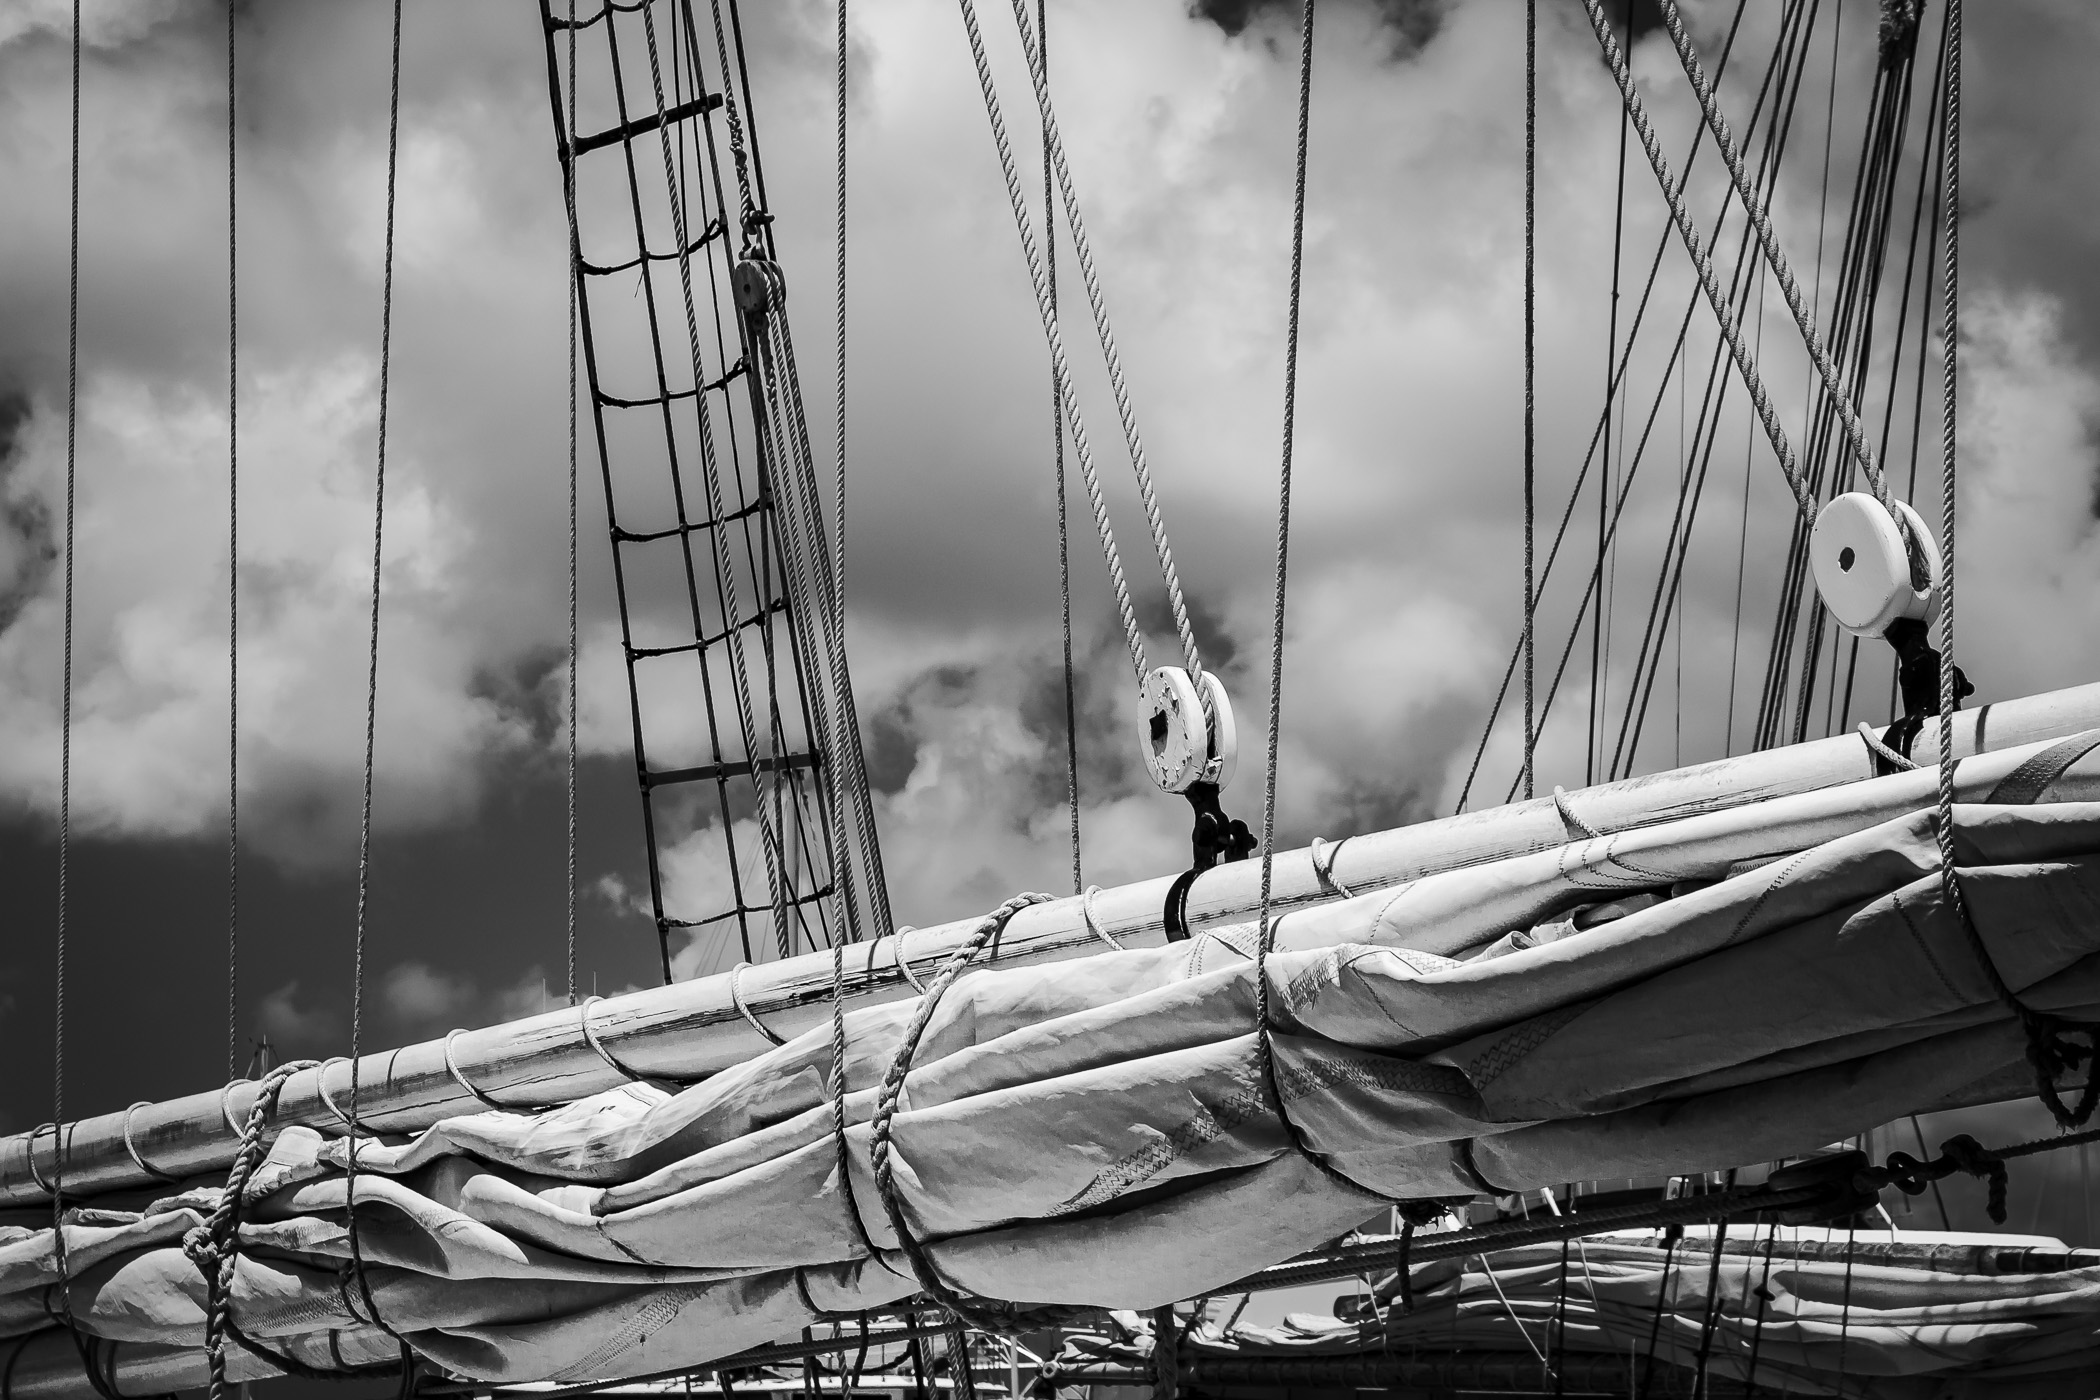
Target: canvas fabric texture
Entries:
(1101, 1131)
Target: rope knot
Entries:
(1966, 1154)
(201, 1249)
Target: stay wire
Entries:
(1265, 942)
(1753, 382)
(364, 830)
(1531, 146)
(1775, 142)
(1510, 667)
(569, 198)
(233, 571)
(1089, 276)
(1057, 453)
(1082, 447)
(1768, 242)
(65, 733)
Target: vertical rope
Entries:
(233, 575)
(1283, 549)
(1531, 146)
(364, 827)
(1057, 452)
(575, 293)
(838, 532)
(65, 709)
(1950, 331)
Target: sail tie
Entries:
(131, 1148)
(985, 1315)
(214, 1247)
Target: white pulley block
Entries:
(1177, 741)
(1862, 569)
(1183, 745)
(1224, 733)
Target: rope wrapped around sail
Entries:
(1098, 1133)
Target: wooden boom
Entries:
(690, 1030)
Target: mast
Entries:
(757, 821)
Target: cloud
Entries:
(296, 1030)
(1404, 592)
(422, 1001)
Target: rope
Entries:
(568, 189)
(1323, 853)
(1046, 309)
(1531, 148)
(65, 765)
(364, 832)
(743, 1009)
(835, 1084)
(1882, 752)
(1057, 452)
(131, 1150)
(1768, 242)
(233, 576)
(214, 1247)
(1760, 399)
(2050, 1051)
(1264, 1033)
(732, 625)
(982, 1314)
(1093, 920)
(590, 1038)
(1083, 250)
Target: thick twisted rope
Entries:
(1768, 243)
(214, 1247)
(1709, 283)
(1082, 249)
(2051, 1048)
(1046, 310)
(982, 1314)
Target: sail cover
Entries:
(1789, 1312)
(1101, 1132)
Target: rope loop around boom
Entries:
(986, 1315)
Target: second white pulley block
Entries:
(1863, 571)
(1183, 745)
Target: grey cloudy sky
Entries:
(1406, 539)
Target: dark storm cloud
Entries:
(1404, 592)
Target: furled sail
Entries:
(1738, 986)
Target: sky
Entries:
(1405, 584)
